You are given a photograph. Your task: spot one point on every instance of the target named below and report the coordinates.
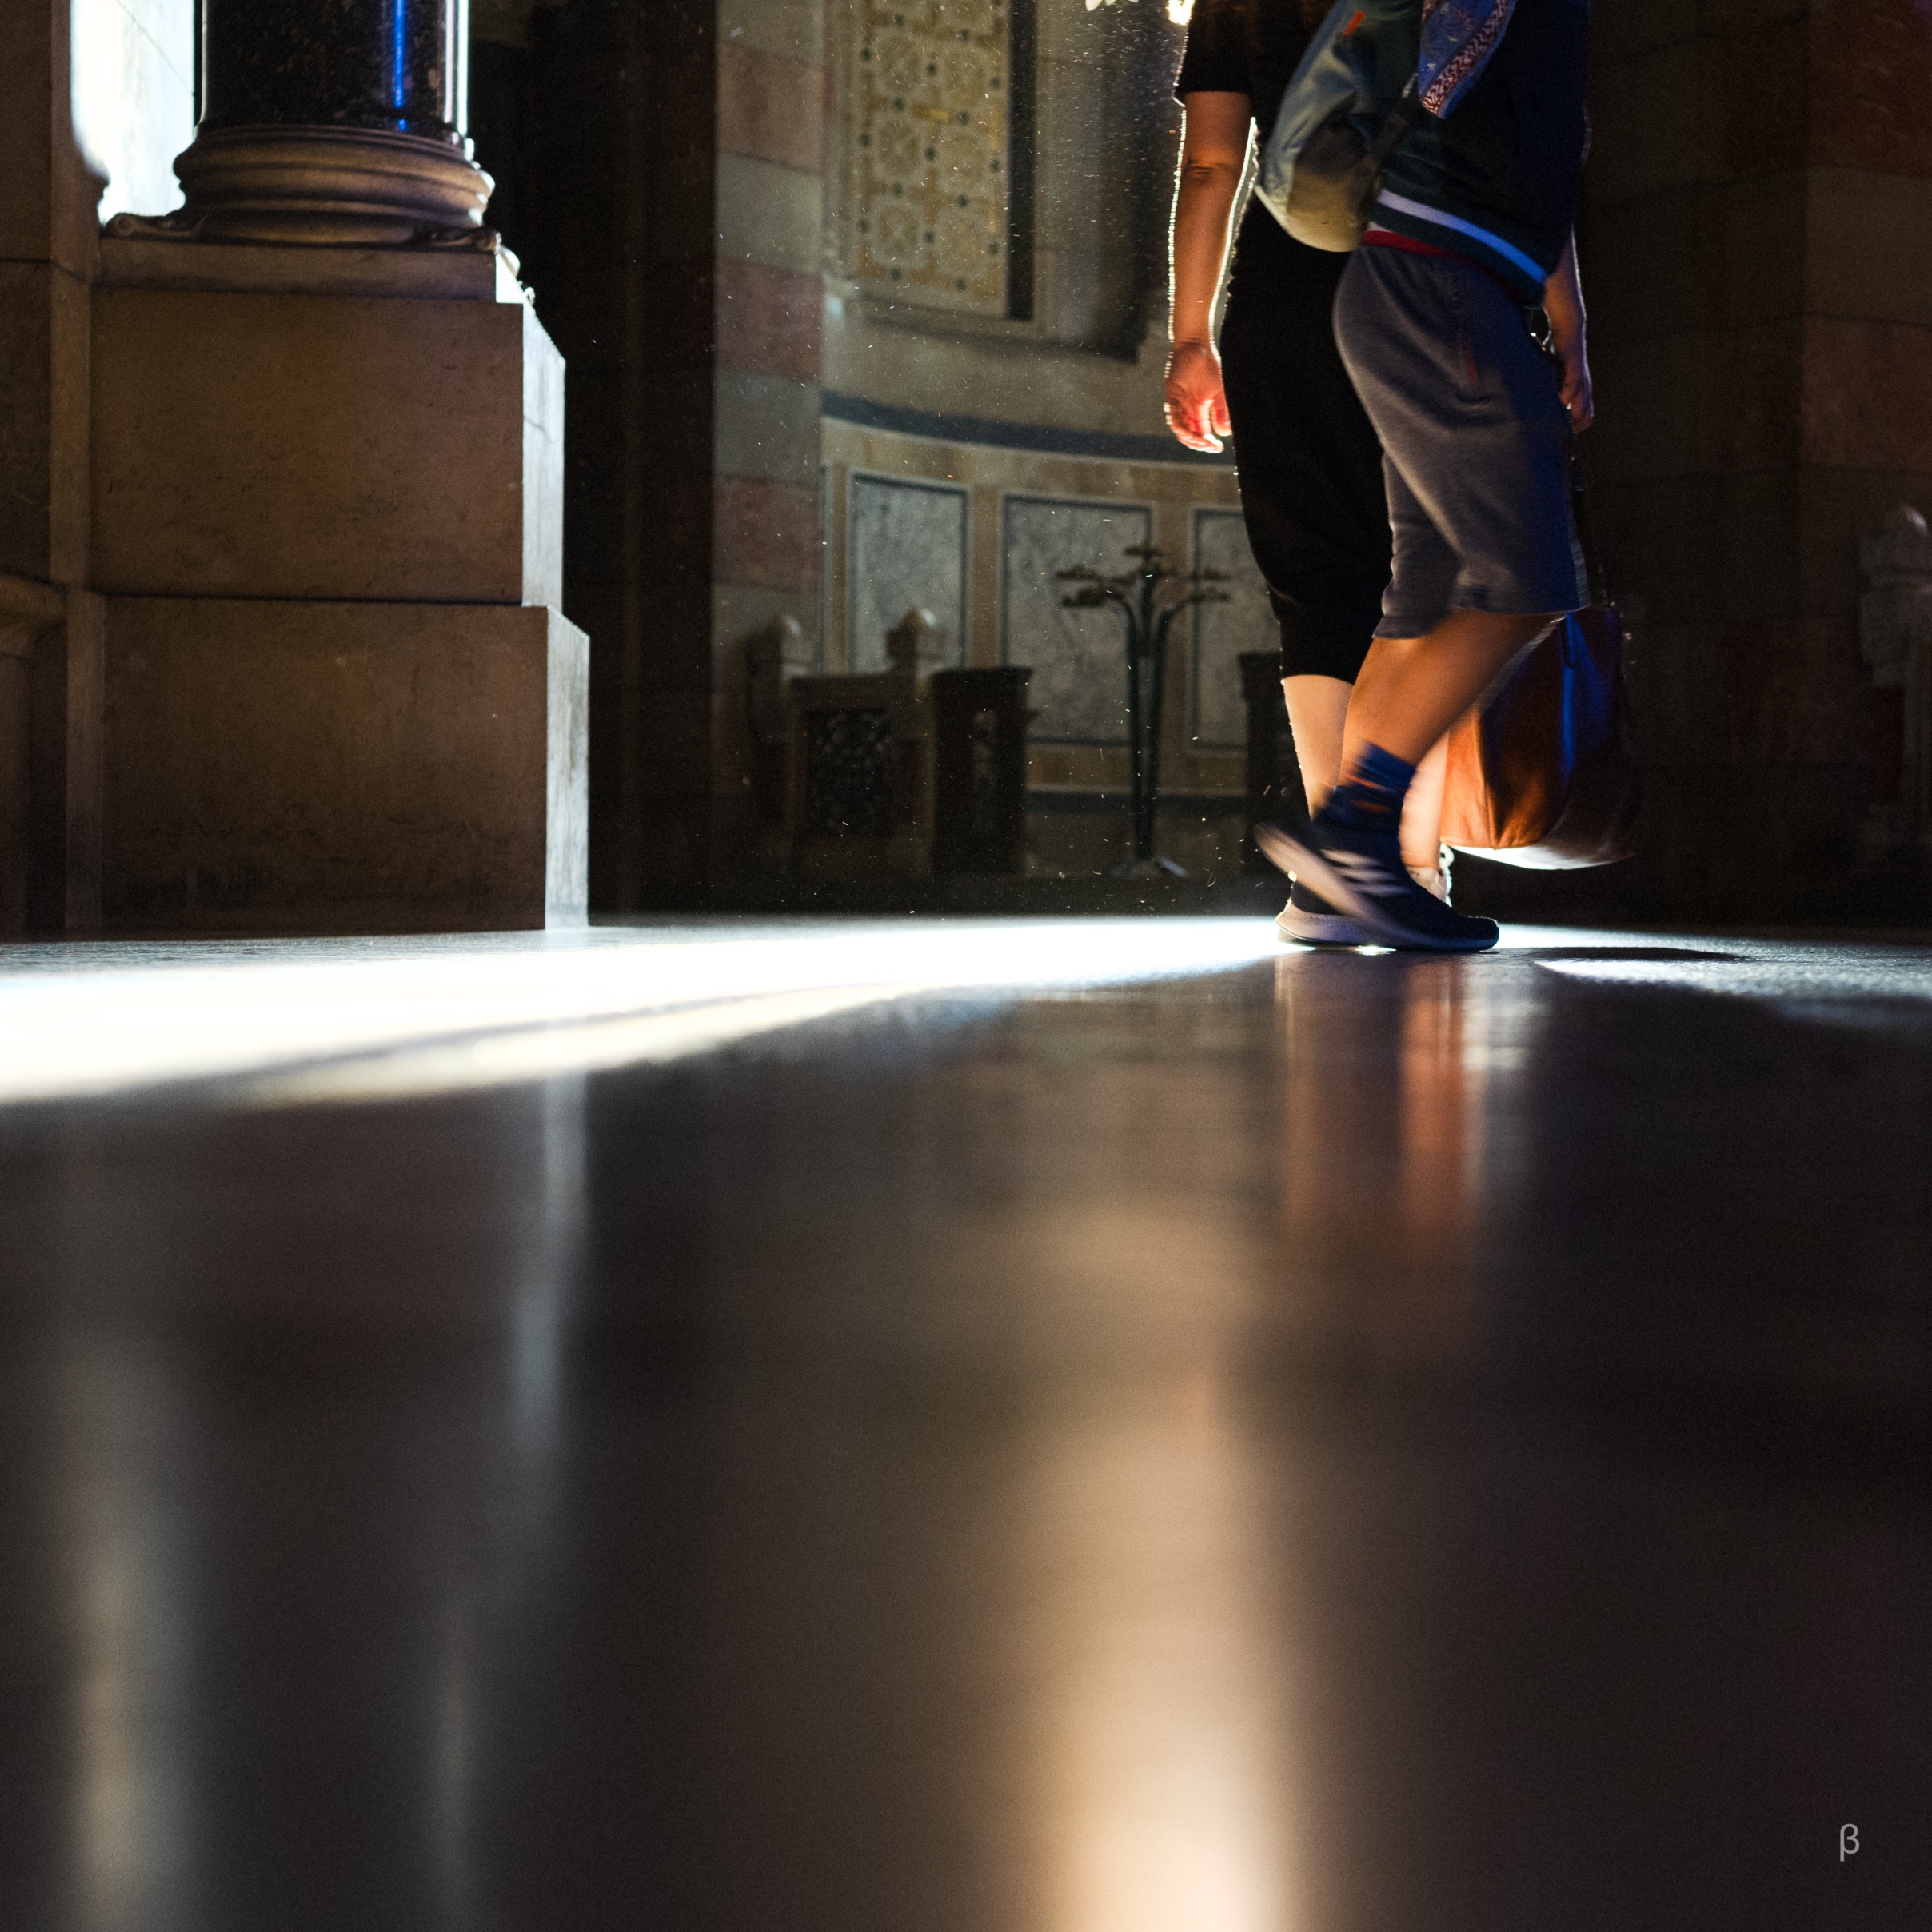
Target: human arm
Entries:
(1562, 301)
(1214, 154)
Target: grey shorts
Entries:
(1475, 440)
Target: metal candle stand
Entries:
(1137, 596)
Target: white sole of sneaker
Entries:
(1321, 928)
(1298, 860)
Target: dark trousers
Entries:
(1310, 467)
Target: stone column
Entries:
(327, 492)
(336, 122)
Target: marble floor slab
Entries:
(966, 1426)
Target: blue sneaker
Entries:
(1361, 874)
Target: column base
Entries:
(297, 768)
(323, 186)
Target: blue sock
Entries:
(1369, 798)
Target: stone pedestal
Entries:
(326, 510)
(319, 765)
(327, 495)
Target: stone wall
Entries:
(51, 624)
(679, 181)
(1762, 325)
(973, 447)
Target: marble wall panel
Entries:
(906, 550)
(1217, 716)
(1078, 691)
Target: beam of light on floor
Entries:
(498, 1012)
(497, 1060)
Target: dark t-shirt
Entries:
(1253, 47)
(1247, 46)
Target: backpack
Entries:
(1349, 105)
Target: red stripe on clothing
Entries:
(1387, 238)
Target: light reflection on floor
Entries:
(297, 1021)
(102, 1019)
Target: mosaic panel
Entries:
(929, 186)
(1217, 716)
(905, 550)
(1079, 689)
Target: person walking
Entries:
(1474, 227)
(1311, 466)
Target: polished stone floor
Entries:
(1113, 1428)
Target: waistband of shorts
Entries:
(1408, 245)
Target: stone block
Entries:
(1623, 28)
(770, 108)
(1757, 97)
(794, 29)
(1867, 394)
(43, 421)
(765, 426)
(1713, 255)
(47, 213)
(1854, 265)
(1651, 124)
(27, 416)
(1701, 549)
(765, 533)
(252, 445)
(285, 768)
(1867, 86)
(1703, 401)
(769, 214)
(769, 320)
(262, 268)
(33, 646)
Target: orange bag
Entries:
(1543, 774)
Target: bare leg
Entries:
(1318, 708)
(1412, 689)
(1421, 811)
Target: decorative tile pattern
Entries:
(848, 773)
(905, 550)
(1217, 716)
(929, 179)
(1079, 689)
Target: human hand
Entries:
(1562, 302)
(1573, 357)
(1197, 398)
